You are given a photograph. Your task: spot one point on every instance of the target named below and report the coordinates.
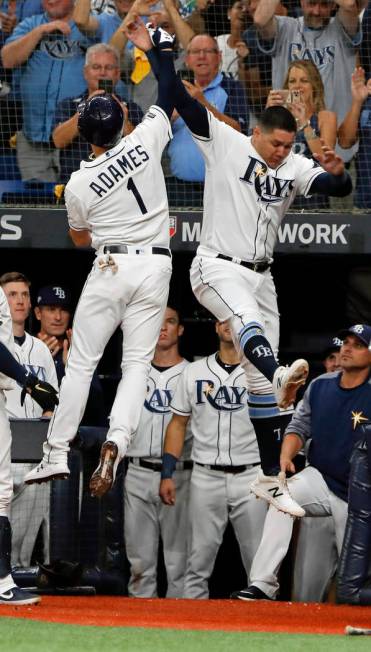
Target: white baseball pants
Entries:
(216, 497)
(146, 518)
(240, 295)
(310, 490)
(29, 511)
(6, 480)
(134, 297)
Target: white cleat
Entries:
(287, 380)
(274, 489)
(46, 471)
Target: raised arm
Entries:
(195, 91)
(65, 132)
(183, 31)
(335, 180)
(348, 14)
(17, 52)
(348, 130)
(264, 18)
(138, 8)
(83, 17)
(171, 88)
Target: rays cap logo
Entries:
(332, 346)
(362, 331)
(54, 295)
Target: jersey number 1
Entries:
(136, 193)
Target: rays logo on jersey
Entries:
(319, 56)
(159, 401)
(36, 370)
(223, 398)
(270, 189)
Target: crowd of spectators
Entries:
(234, 57)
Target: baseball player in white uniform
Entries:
(146, 517)
(117, 203)
(30, 505)
(250, 182)
(212, 397)
(45, 395)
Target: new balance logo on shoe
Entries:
(275, 491)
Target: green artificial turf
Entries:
(21, 635)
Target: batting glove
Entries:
(161, 40)
(43, 393)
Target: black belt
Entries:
(228, 469)
(256, 267)
(157, 466)
(123, 249)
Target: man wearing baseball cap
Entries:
(331, 414)
(331, 354)
(54, 311)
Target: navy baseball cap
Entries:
(54, 295)
(362, 331)
(332, 346)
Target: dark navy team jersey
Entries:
(331, 416)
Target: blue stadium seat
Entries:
(8, 167)
(27, 192)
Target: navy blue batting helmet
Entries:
(100, 121)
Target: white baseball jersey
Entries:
(6, 336)
(156, 414)
(217, 402)
(244, 200)
(121, 196)
(35, 357)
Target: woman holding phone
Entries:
(303, 95)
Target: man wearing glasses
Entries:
(101, 71)
(226, 100)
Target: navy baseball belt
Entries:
(256, 267)
(132, 249)
(157, 466)
(228, 469)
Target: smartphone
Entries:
(285, 95)
(105, 85)
(187, 75)
(293, 97)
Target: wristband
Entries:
(312, 135)
(168, 466)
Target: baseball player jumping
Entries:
(117, 203)
(250, 183)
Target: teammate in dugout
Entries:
(211, 398)
(45, 395)
(30, 504)
(250, 183)
(146, 518)
(117, 203)
(333, 408)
